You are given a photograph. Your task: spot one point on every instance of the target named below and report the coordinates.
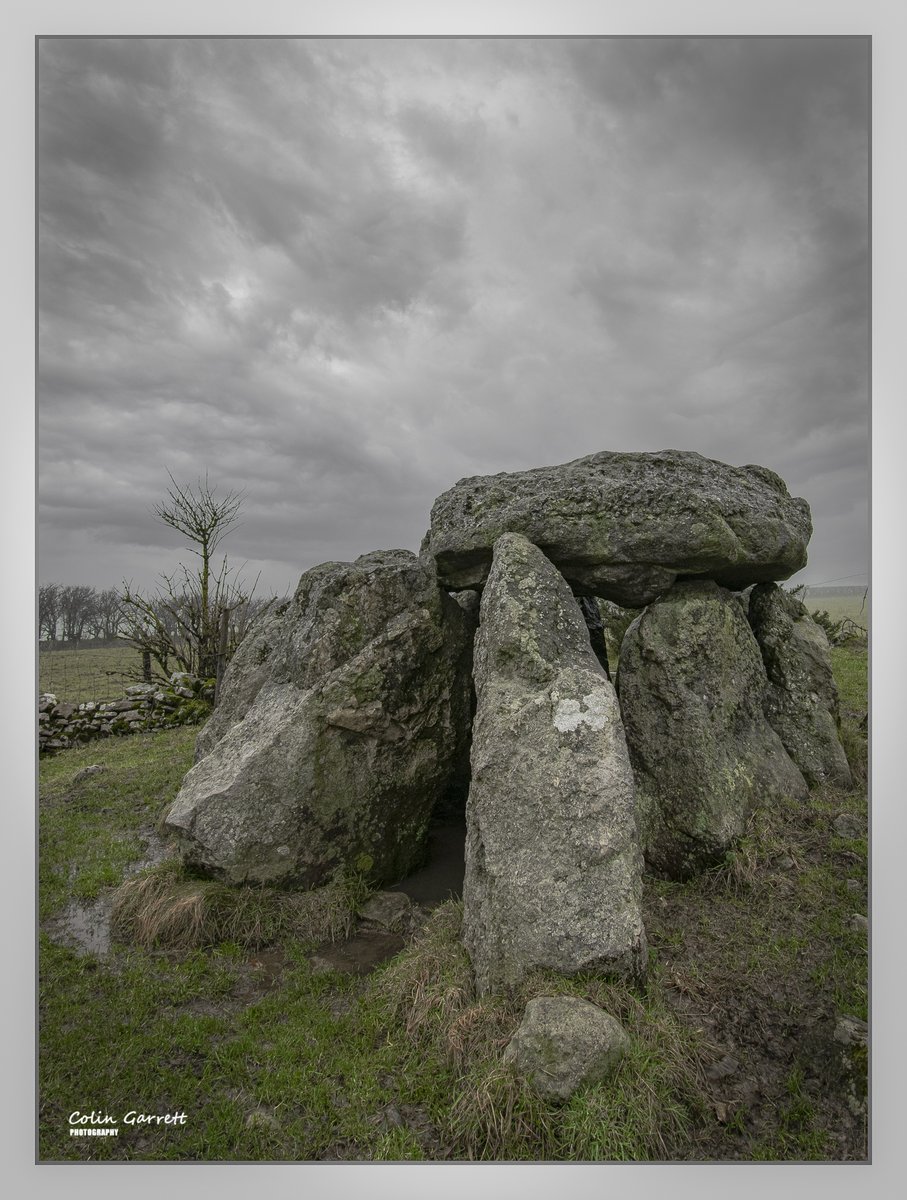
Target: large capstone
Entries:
(625, 526)
(692, 685)
(344, 719)
(802, 697)
(553, 865)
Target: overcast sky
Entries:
(342, 274)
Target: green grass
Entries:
(850, 668)
(406, 1064)
(90, 829)
(93, 674)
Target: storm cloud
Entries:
(342, 274)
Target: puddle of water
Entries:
(84, 925)
(261, 972)
(267, 966)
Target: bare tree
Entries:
(179, 625)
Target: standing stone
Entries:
(553, 866)
(624, 526)
(691, 686)
(342, 723)
(802, 697)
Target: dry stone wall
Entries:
(183, 700)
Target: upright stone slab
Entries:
(553, 866)
(691, 686)
(802, 697)
(624, 526)
(344, 719)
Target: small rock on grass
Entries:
(564, 1043)
(846, 825)
(388, 910)
(851, 1031)
(87, 772)
(262, 1118)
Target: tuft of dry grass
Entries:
(429, 984)
(165, 908)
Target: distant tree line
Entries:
(74, 612)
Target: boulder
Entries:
(553, 874)
(691, 686)
(564, 1043)
(801, 701)
(624, 526)
(343, 720)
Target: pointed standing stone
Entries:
(553, 866)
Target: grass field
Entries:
(840, 606)
(734, 1054)
(92, 674)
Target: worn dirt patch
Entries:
(772, 1058)
(360, 954)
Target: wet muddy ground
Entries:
(84, 925)
(771, 1054)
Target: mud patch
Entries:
(358, 955)
(766, 1037)
(259, 974)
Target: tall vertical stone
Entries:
(553, 865)
(802, 698)
(692, 685)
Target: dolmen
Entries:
(402, 685)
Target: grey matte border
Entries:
(659, 18)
